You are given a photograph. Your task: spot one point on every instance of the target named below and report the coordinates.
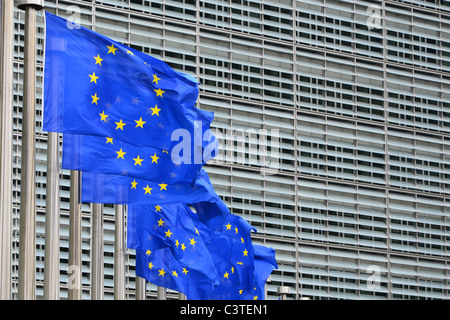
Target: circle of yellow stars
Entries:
(120, 125)
(180, 245)
(183, 246)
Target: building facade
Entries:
(333, 117)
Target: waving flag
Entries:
(108, 156)
(115, 189)
(241, 268)
(159, 163)
(264, 264)
(95, 86)
(232, 252)
(170, 251)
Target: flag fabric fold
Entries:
(232, 252)
(264, 264)
(170, 251)
(164, 269)
(108, 156)
(114, 189)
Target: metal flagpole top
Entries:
(37, 4)
(283, 292)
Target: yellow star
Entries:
(98, 60)
(228, 226)
(154, 158)
(225, 275)
(150, 265)
(255, 298)
(239, 263)
(155, 79)
(185, 271)
(138, 161)
(157, 208)
(95, 98)
(133, 184)
(192, 241)
(93, 78)
(109, 140)
(148, 252)
(112, 49)
(242, 239)
(160, 222)
(129, 52)
(163, 186)
(140, 123)
(168, 233)
(177, 243)
(120, 154)
(159, 93)
(103, 116)
(236, 229)
(183, 247)
(174, 273)
(245, 253)
(148, 190)
(240, 291)
(161, 272)
(232, 269)
(120, 125)
(155, 110)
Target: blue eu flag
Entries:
(122, 189)
(111, 156)
(243, 267)
(240, 268)
(96, 86)
(135, 112)
(170, 251)
(264, 264)
(129, 120)
(231, 249)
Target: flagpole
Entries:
(140, 288)
(161, 293)
(97, 252)
(6, 98)
(119, 254)
(51, 261)
(27, 238)
(52, 217)
(75, 237)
